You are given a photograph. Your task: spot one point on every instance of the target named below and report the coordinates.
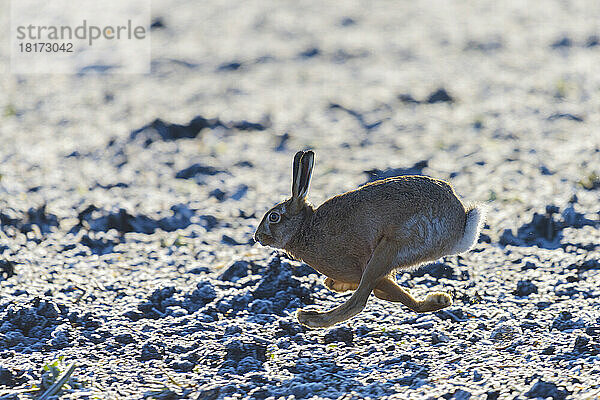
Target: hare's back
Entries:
(411, 192)
(390, 204)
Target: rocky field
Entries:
(128, 204)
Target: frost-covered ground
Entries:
(127, 203)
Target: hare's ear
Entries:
(306, 167)
(296, 174)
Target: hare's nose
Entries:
(260, 237)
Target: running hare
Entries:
(359, 238)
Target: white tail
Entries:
(475, 220)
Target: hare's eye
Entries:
(274, 217)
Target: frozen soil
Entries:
(128, 203)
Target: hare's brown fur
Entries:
(347, 227)
(358, 238)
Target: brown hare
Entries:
(359, 238)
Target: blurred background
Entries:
(499, 97)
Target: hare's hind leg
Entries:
(378, 267)
(340, 287)
(389, 290)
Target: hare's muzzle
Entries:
(261, 238)
(258, 237)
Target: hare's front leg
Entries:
(389, 290)
(378, 267)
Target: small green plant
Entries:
(591, 181)
(562, 88)
(56, 376)
(270, 355)
(50, 372)
(179, 241)
(10, 110)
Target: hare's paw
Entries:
(312, 318)
(435, 301)
(338, 286)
